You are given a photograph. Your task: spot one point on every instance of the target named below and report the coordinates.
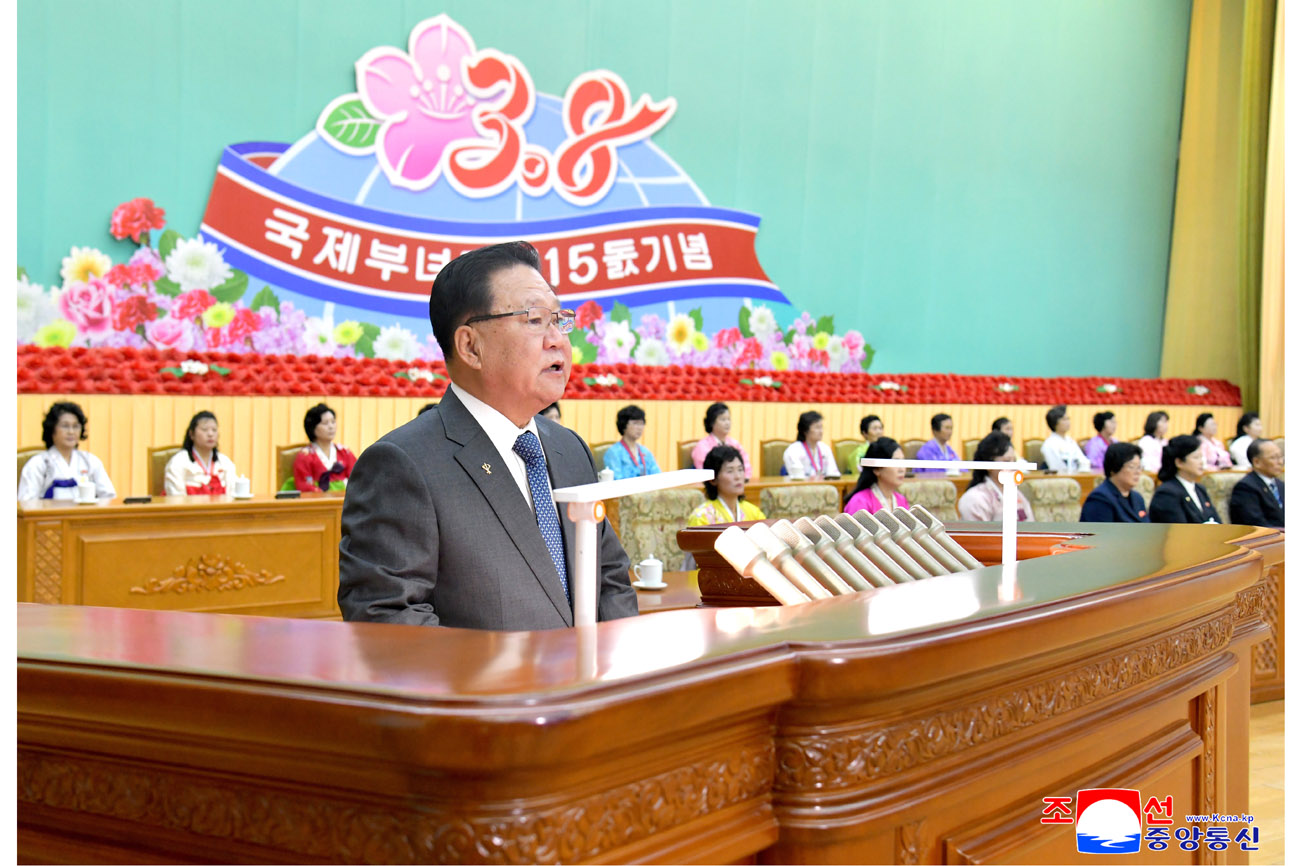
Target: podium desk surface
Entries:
(917, 723)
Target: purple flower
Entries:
(652, 327)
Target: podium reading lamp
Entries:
(1009, 474)
(587, 509)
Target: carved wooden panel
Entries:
(206, 573)
(47, 562)
(858, 755)
(307, 825)
(1267, 658)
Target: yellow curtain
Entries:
(1212, 308)
(1272, 397)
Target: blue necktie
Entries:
(1272, 485)
(527, 447)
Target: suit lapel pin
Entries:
(487, 468)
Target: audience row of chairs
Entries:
(158, 457)
(649, 522)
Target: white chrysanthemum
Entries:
(83, 263)
(651, 353)
(762, 321)
(197, 264)
(36, 309)
(681, 333)
(836, 352)
(619, 340)
(395, 343)
(318, 337)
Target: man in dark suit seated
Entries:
(1259, 498)
(1180, 499)
(449, 519)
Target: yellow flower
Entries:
(60, 333)
(821, 340)
(83, 263)
(681, 332)
(780, 361)
(699, 341)
(576, 353)
(218, 315)
(347, 333)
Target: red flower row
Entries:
(138, 371)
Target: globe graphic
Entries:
(646, 177)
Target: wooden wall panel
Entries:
(121, 428)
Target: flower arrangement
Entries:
(183, 295)
(756, 343)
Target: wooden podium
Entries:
(919, 723)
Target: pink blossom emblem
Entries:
(422, 99)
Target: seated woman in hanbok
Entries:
(878, 488)
(983, 497)
(717, 431)
(55, 473)
(724, 495)
(198, 469)
(322, 465)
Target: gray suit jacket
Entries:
(431, 538)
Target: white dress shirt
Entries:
(503, 433)
(797, 462)
(1190, 487)
(1063, 454)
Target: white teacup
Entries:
(243, 487)
(605, 475)
(85, 491)
(649, 572)
(797, 475)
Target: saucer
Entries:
(639, 585)
(86, 501)
(245, 496)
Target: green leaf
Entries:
(232, 289)
(346, 123)
(620, 313)
(868, 355)
(776, 384)
(164, 286)
(22, 272)
(578, 339)
(167, 243)
(402, 374)
(745, 330)
(790, 335)
(175, 371)
(825, 323)
(697, 316)
(265, 298)
(366, 344)
(746, 381)
(220, 371)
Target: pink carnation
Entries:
(136, 217)
(191, 305)
(726, 337)
(245, 324)
(88, 305)
(853, 342)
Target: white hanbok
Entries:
(49, 476)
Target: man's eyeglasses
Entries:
(535, 318)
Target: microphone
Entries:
(825, 549)
(734, 546)
(939, 533)
(778, 553)
(844, 546)
(865, 542)
(806, 555)
(921, 535)
(904, 539)
(885, 541)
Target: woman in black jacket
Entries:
(1116, 500)
(1180, 499)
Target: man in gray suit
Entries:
(448, 520)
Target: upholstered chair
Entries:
(793, 501)
(1034, 453)
(771, 454)
(1053, 498)
(911, 446)
(684, 450)
(648, 524)
(284, 457)
(1219, 485)
(25, 454)
(938, 495)
(844, 449)
(598, 451)
(158, 458)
